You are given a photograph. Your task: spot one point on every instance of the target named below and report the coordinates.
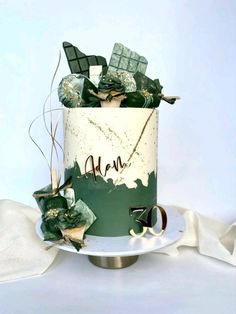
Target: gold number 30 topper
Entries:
(146, 223)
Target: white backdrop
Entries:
(191, 48)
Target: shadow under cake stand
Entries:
(120, 252)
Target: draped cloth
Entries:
(22, 253)
(211, 237)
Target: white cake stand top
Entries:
(128, 245)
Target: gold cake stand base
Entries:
(113, 262)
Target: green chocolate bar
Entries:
(80, 62)
(123, 58)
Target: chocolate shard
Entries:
(123, 58)
(144, 83)
(139, 99)
(80, 62)
(148, 94)
(74, 90)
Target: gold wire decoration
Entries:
(55, 173)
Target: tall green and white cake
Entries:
(110, 150)
(111, 154)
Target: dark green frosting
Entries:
(111, 204)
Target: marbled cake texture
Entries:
(111, 154)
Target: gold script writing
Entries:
(96, 167)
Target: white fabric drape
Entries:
(209, 236)
(22, 253)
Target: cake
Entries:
(110, 120)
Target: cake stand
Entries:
(120, 252)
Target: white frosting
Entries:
(130, 133)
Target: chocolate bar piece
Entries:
(123, 58)
(80, 62)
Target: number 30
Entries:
(147, 223)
